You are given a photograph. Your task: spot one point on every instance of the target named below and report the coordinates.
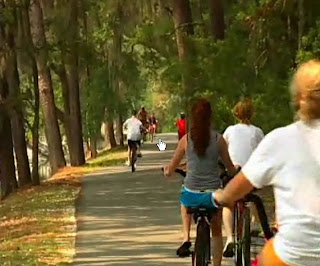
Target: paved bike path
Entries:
(129, 218)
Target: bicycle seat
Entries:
(201, 211)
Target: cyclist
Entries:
(288, 158)
(143, 117)
(242, 139)
(152, 126)
(134, 128)
(202, 147)
(182, 126)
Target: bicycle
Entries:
(242, 232)
(242, 222)
(201, 256)
(133, 145)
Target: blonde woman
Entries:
(288, 158)
(242, 139)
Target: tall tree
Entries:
(7, 167)
(17, 119)
(184, 28)
(217, 19)
(72, 64)
(27, 40)
(56, 155)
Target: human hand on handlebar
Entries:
(166, 171)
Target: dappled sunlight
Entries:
(39, 225)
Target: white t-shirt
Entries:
(134, 128)
(242, 140)
(289, 159)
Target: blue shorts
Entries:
(192, 199)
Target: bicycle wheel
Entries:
(202, 246)
(237, 235)
(246, 237)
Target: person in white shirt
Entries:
(288, 159)
(134, 128)
(242, 139)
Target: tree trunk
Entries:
(120, 130)
(25, 28)
(217, 19)
(301, 23)
(56, 156)
(183, 24)
(110, 141)
(35, 130)
(93, 147)
(7, 167)
(76, 144)
(17, 121)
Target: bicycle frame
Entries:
(202, 218)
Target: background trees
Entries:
(90, 62)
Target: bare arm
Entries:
(224, 154)
(236, 189)
(177, 157)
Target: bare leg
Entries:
(186, 221)
(217, 243)
(228, 224)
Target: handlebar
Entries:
(179, 171)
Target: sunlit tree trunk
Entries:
(119, 130)
(56, 156)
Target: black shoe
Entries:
(229, 251)
(184, 250)
(139, 155)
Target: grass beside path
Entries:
(38, 224)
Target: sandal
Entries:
(184, 250)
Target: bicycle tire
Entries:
(237, 237)
(202, 245)
(246, 239)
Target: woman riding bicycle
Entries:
(288, 158)
(202, 147)
(242, 139)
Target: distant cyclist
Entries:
(202, 148)
(153, 122)
(143, 117)
(134, 128)
(288, 159)
(242, 139)
(181, 124)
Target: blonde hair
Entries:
(305, 90)
(243, 111)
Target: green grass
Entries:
(116, 156)
(37, 226)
